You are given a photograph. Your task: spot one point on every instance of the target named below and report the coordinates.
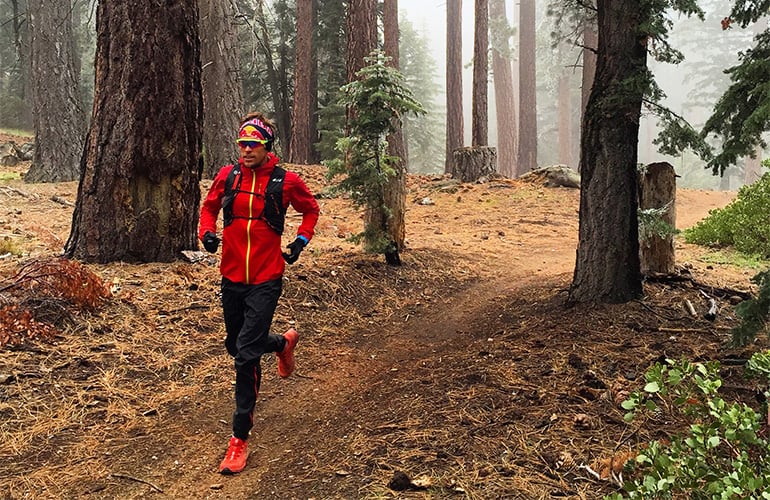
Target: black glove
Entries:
(295, 248)
(210, 242)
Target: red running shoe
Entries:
(286, 357)
(235, 458)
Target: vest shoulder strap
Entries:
(274, 213)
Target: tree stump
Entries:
(472, 163)
(657, 190)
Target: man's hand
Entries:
(295, 248)
(210, 242)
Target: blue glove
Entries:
(295, 248)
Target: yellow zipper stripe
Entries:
(248, 225)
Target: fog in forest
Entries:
(691, 87)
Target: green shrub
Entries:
(722, 454)
(743, 224)
(754, 313)
(378, 99)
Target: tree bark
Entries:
(315, 156)
(607, 263)
(274, 77)
(395, 189)
(480, 105)
(752, 169)
(590, 44)
(657, 189)
(454, 82)
(565, 120)
(505, 100)
(284, 74)
(301, 148)
(223, 104)
(527, 90)
(362, 34)
(58, 116)
(472, 163)
(19, 113)
(138, 196)
(361, 37)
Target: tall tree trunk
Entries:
(505, 101)
(19, 71)
(138, 196)
(281, 117)
(565, 120)
(590, 44)
(657, 190)
(361, 37)
(394, 211)
(284, 74)
(607, 264)
(222, 87)
(480, 106)
(300, 150)
(315, 156)
(527, 90)
(361, 33)
(752, 170)
(454, 81)
(58, 115)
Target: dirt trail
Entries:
(462, 366)
(365, 384)
(382, 379)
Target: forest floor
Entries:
(461, 370)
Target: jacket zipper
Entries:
(248, 226)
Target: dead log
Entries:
(62, 201)
(711, 314)
(680, 280)
(471, 163)
(657, 194)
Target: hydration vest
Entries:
(274, 213)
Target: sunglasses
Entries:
(252, 144)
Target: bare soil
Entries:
(462, 370)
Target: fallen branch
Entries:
(673, 279)
(16, 190)
(682, 330)
(690, 308)
(186, 308)
(138, 480)
(62, 201)
(711, 314)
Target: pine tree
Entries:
(424, 133)
(378, 99)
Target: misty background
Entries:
(692, 87)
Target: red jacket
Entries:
(251, 251)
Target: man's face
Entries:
(253, 153)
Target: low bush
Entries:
(744, 224)
(723, 452)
